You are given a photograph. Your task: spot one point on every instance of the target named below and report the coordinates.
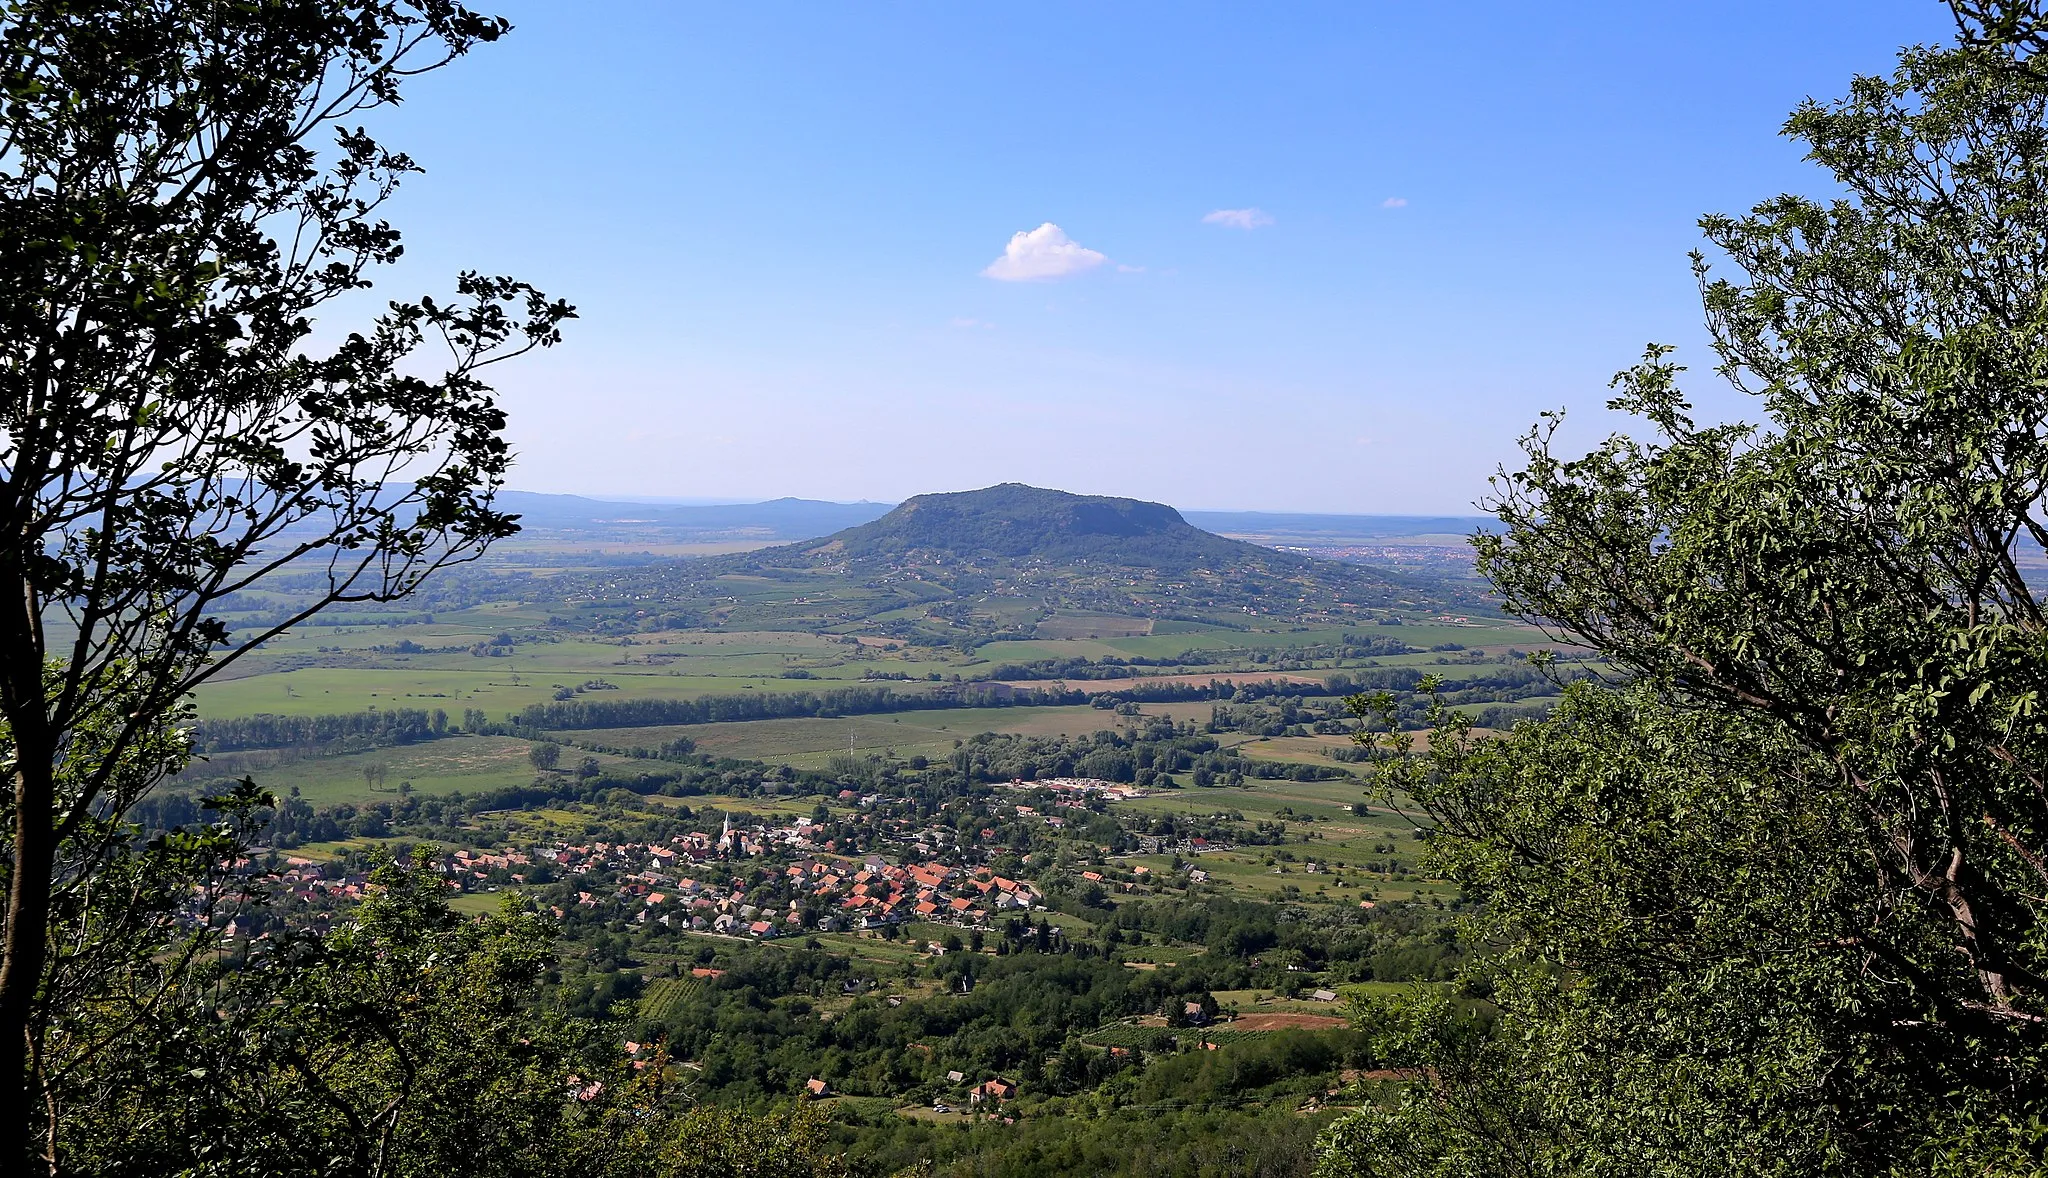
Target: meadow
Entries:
(811, 742)
(465, 763)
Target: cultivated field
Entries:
(471, 764)
(811, 742)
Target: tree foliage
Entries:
(1776, 906)
(401, 1043)
(181, 195)
(409, 1041)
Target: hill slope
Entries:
(1003, 559)
(1013, 522)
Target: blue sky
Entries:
(781, 225)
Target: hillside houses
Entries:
(757, 880)
(1074, 790)
(701, 882)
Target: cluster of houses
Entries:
(990, 1092)
(814, 893)
(308, 882)
(1075, 790)
(696, 881)
(700, 880)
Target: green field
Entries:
(476, 903)
(323, 669)
(811, 742)
(471, 764)
(335, 668)
(504, 656)
(1085, 625)
(1340, 843)
(1294, 750)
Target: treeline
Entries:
(1171, 691)
(1350, 645)
(1085, 669)
(339, 732)
(1143, 758)
(838, 701)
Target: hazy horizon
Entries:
(1202, 509)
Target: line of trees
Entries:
(839, 701)
(333, 731)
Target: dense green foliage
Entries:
(406, 1042)
(1776, 906)
(340, 732)
(185, 190)
(767, 705)
(1706, 897)
(1137, 1143)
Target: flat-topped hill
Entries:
(1013, 522)
(1004, 558)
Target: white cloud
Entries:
(1041, 254)
(1239, 218)
(1394, 202)
(964, 321)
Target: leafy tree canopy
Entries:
(182, 195)
(1775, 906)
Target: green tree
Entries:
(1776, 905)
(180, 196)
(404, 1042)
(545, 755)
(1674, 899)
(410, 1041)
(719, 1143)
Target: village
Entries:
(756, 879)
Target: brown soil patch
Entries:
(1354, 1076)
(1093, 686)
(1284, 1022)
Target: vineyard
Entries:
(1148, 1039)
(1155, 1040)
(664, 996)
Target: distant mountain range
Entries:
(1300, 527)
(776, 519)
